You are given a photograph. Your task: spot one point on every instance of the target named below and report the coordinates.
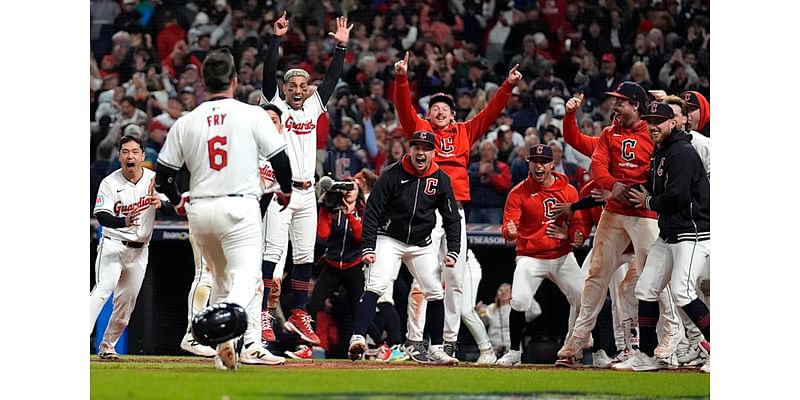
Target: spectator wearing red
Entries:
(490, 181)
(169, 36)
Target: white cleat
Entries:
(254, 353)
(437, 355)
(642, 362)
(668, 345)
(358, 346)
(487, 357)
(626, 364)
(189, 344)
(600, 359)
(512, 358)
(573, 346)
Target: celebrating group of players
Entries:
(649, 197)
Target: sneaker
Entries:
(416, 351)
(512, 358)
(226, 357)
(487, 357)
(670, 362)
(706, 366)
(189, 344)
(384, 352)
(642, 362)
(358, 346)
(267, 333)
(625, 364)
(573, 346)
(687, 353)
(107, 352)
(667, 345)
(437, 355)
(622, 356)
(303, 353)
(300, 323)
(450, 348)
(705, 347)
(254, 353)
(397, 354)
(569, 362)
(600, 359)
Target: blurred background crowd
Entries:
(146, 56)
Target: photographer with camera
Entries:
(339, 224)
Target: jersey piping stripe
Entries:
(690, 287)
(276, 152)
(166, 164)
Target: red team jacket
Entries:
(529, 206)
(623, 155)
(573, 136)
(453, 142)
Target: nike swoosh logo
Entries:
(402, 181)
(120, 190)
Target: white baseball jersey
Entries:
(703, 146)
(221, 142)
(300, 128)
(268, 182)
(119, 196)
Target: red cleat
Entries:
(303, 353)
(300, 323)
(266, 327)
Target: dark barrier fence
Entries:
(159, 320)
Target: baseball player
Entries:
(453, 142)
(700, 112)
(623, 279)
(620, 159)
(126, 208)
(543, 243)
(300, 111)
(220, 142)
(398, 222)
(679, 190)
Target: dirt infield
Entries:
(344, 364)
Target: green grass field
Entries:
(147, 377)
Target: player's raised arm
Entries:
(342, 36)
(480, 123)
(573, 136)
(402, 93)
(269, 85)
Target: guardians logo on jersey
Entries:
(300, 128)
(120, 209)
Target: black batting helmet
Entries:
(219, 323)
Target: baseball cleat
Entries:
(437, 355)
(383, 353)
(397, 354)
(267, 333)
(667, 345)
(451, 348)
(625, 365)
(358, 346)
(226, 357)
(600, 359)
(642, 362)
(487, 357)
(622, 356)
(706, 366)
(254, 353)
(107, 352)
(190, 345)
(303, 353)
(300, 323)
(512, 358)
(573, 346)
(569, 362)
(416, 351)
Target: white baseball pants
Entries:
(472, 278)
(201, 284)
(678, 265)
(421, 262)
(298, 222)
(119, 269)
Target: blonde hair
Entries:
(295, 72)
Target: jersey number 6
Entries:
(217, 155)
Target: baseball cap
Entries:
(608, 57)
(423, 137)
(133, 130)
(540, 152)
(442, 98)
(658, 112)
(692, 102)
(156, 124)
(630, 90)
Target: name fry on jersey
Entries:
(124, 209)
(218, 119)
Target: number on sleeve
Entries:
(217, 155)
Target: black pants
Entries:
(329, 280)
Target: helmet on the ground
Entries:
(219, 323)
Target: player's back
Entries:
(220, 142)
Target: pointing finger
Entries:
(406, 57)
